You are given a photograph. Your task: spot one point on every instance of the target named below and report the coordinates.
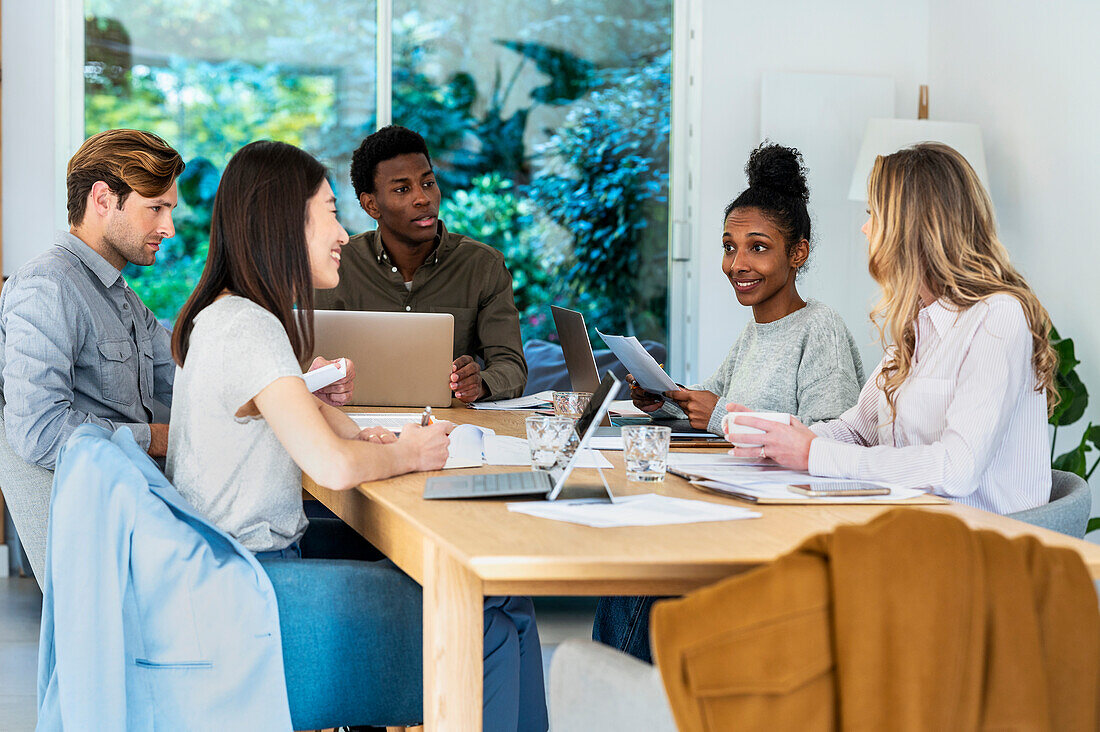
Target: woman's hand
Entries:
(788, 445)
(426, 445)
(697, 405)
(379, 435)
(338, 393)
(644, 400)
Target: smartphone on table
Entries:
(844, 488)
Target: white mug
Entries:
(730, 428)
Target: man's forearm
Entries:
(503, 379)
(158, 440)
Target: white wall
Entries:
(739, 42)
(1028, 74)
(41, 128)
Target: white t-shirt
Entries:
(232, 469)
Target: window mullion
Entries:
(384, 63)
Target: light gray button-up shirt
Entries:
(77, 345)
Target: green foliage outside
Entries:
(1075, 399)
(578, 207)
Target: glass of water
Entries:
(571, 403)
(645, 451)
(547, 437)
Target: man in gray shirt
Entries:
(76, 343)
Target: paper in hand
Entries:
(639, 363)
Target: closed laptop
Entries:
(401, 359)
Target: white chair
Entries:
(593, 686)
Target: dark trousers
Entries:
(623, 623)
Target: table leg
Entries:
(453, 629)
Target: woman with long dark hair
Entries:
(244, 426)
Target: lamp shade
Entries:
(885, 136)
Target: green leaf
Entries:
(1075, 398)
(570, 76)
(1072, 461)
(1093, 525)
(1067, 358)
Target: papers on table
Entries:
(769, 483)
(393, 421)
(611, 442)
(639, 363)
(473, 446)
(503, 450)
(626, 408)
(533, 401)
(645, 510)
(715, 460)
(781, 493)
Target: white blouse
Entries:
(970, 424)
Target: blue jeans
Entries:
(352, 639)
(623, 623)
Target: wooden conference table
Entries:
(461, 551)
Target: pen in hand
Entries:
(426, 417)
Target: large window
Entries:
(548, 124)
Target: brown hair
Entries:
(258, 241)
(126, 160)
(932, 224)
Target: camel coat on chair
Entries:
(912, 621)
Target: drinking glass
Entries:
(645, 451)
(547, 437)
(571, 403)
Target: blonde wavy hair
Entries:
(932, 224)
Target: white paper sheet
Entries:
(639, 363)
(533, 401)
(644, 510)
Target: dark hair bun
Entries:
(778, 168)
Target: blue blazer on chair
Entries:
(152, 617)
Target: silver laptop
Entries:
(580, 361)
(401, 359)
(542, 482)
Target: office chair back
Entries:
(1069, 507)
(26, 490)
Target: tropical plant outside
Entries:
(558, 158)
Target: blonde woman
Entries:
(960, 401)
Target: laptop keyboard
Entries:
(500, 482)
(488, 484)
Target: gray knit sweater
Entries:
(806, 364)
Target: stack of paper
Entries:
(393, 421)
(645, 510)
(473, 446)
(771, 483)
(542, 400)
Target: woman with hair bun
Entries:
(960, 401)
(795, 356)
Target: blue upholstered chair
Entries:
(1069, 507)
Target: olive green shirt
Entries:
(462, 277)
